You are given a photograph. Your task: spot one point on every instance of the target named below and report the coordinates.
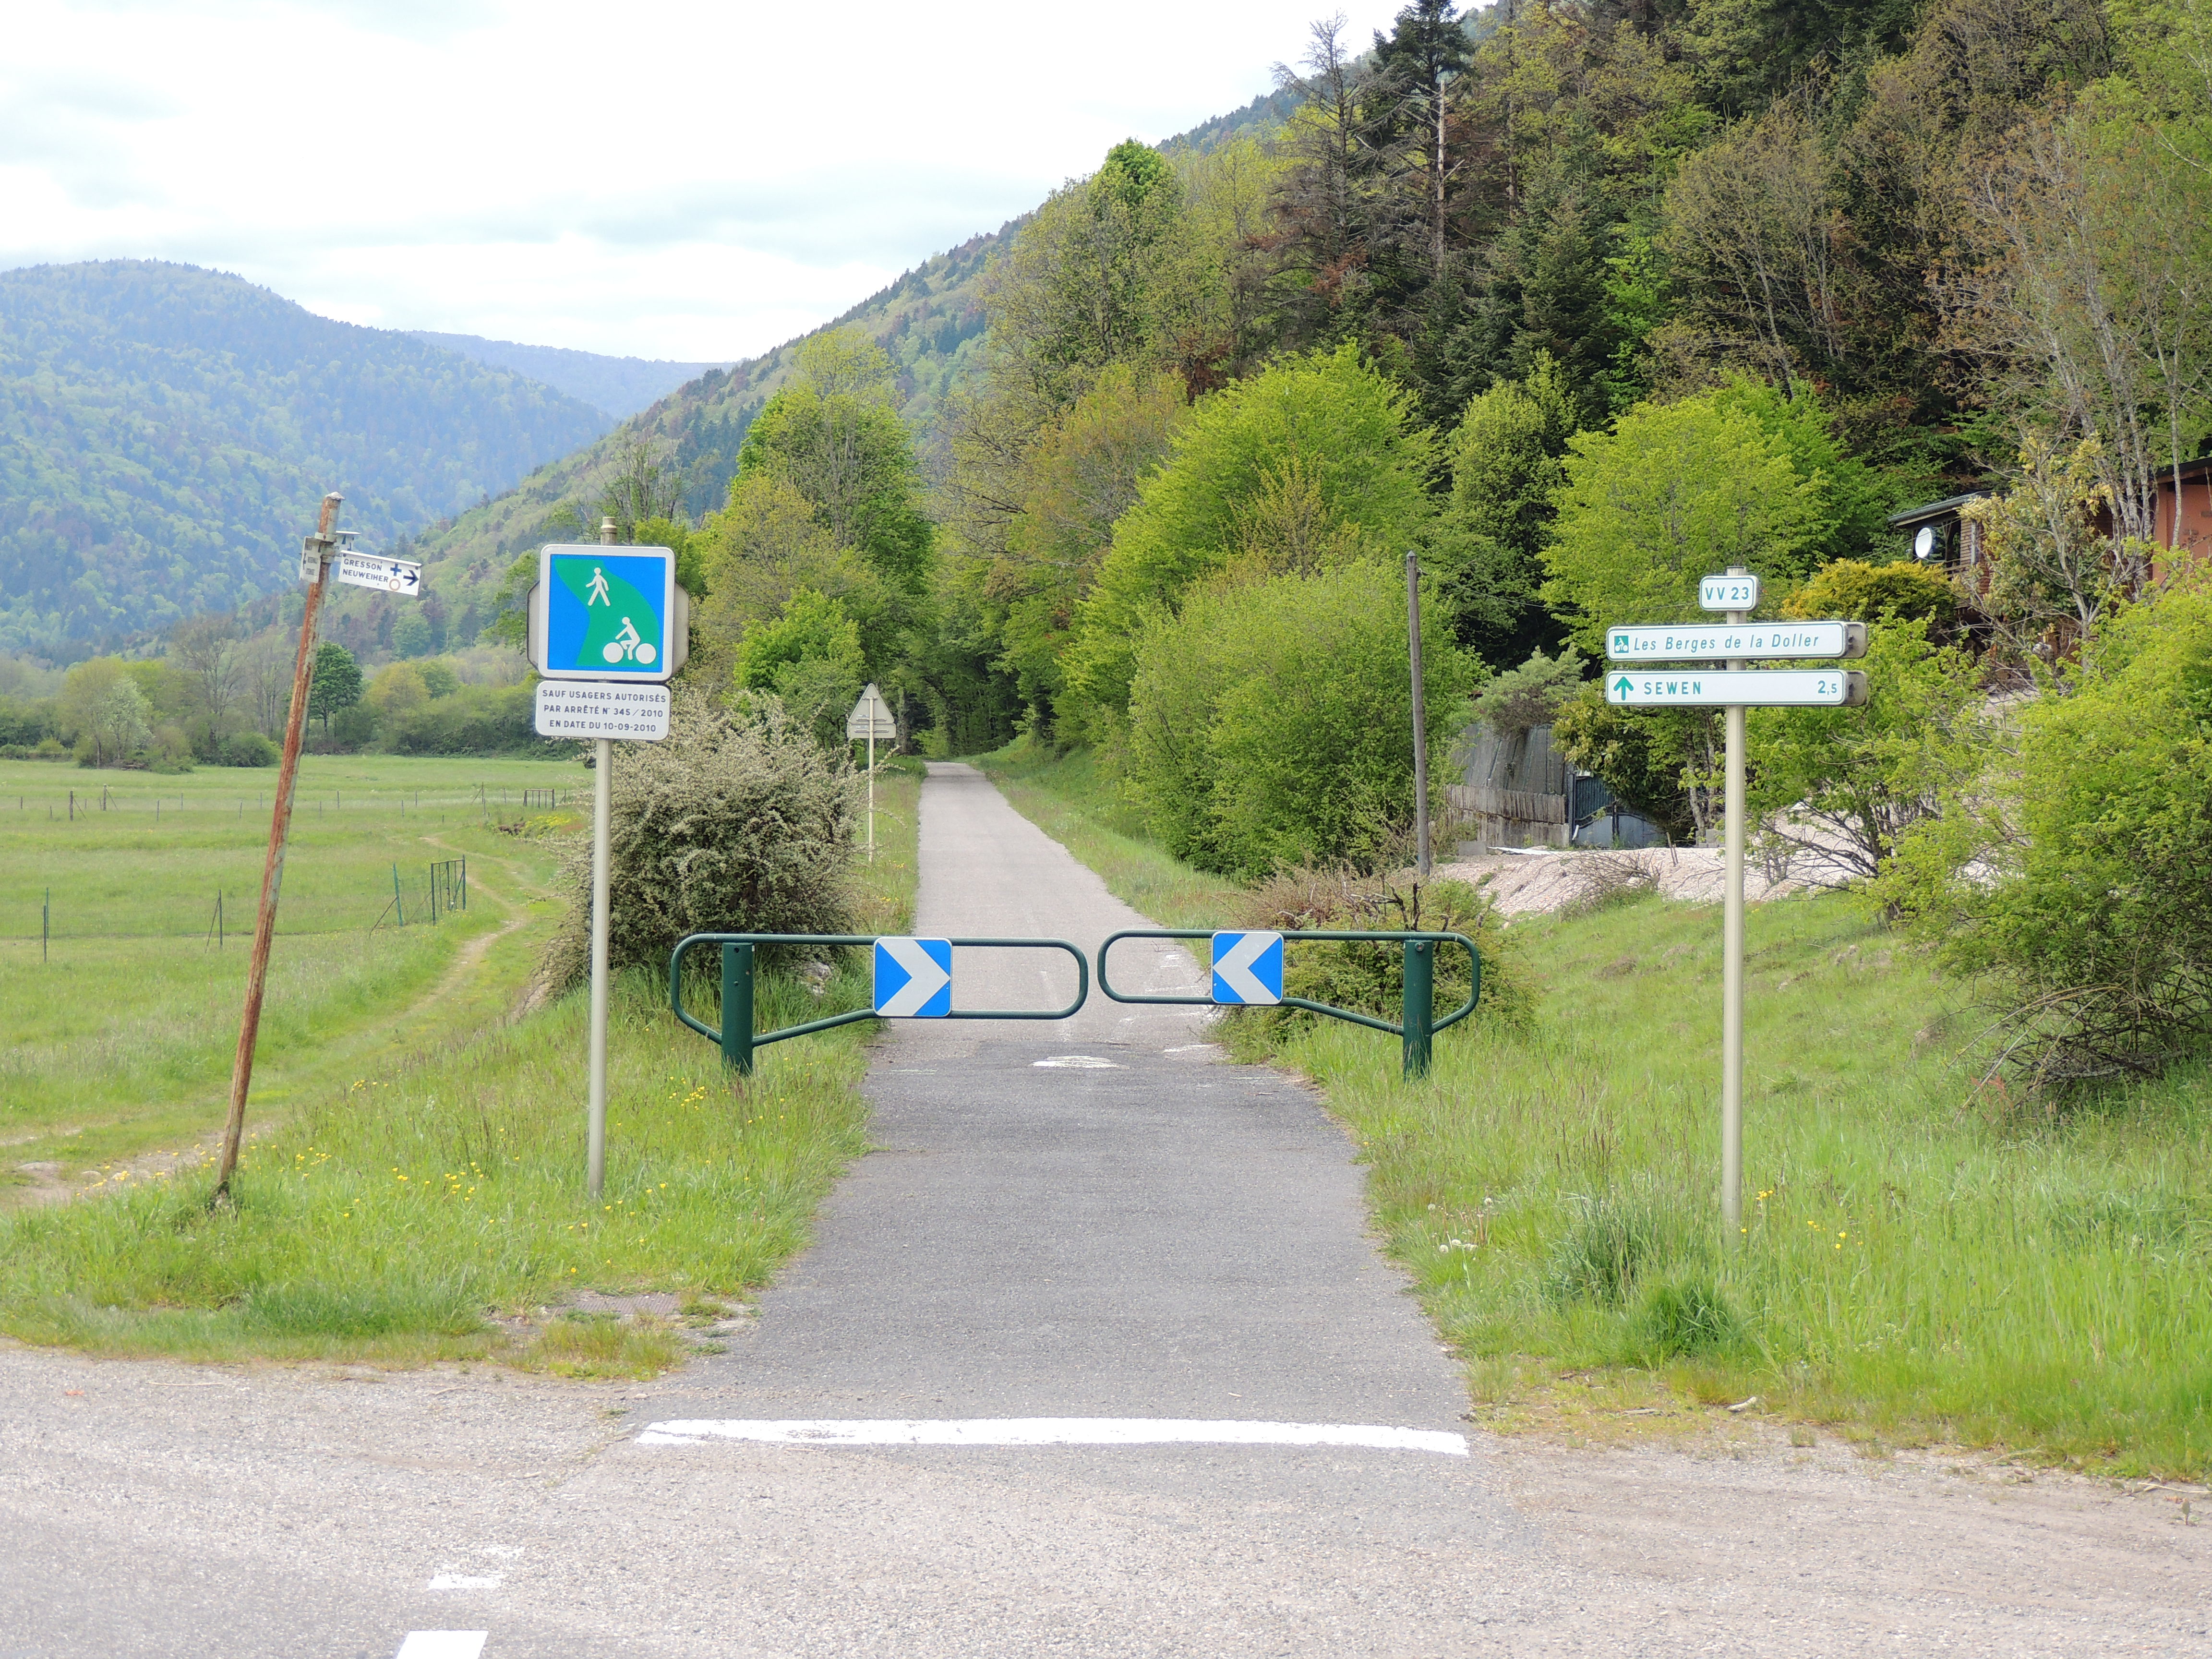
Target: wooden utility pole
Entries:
(321, 546)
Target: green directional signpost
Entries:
(1708, 669)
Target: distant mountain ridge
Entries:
(618, 387)
(166, 431)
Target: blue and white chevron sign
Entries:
(914, 978)
(1247, 969)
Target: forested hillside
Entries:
(618, 387)
(166, 433)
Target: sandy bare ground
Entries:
(1542, 879)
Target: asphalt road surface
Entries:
(1092, 1356)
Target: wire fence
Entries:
(139, 856)
(418, 900)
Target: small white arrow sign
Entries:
(926, 977)
(1239, 962)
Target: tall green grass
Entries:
(118, 1035)
(1914, 1263)
(401, 1214)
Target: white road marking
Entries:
(1052, 1431)
(1186, 1049)
(462, 1581)
(1080, 1063)
(442, 1644)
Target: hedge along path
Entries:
(445, 1012)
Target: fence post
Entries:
(464, 884)
(398, 904)
(1420, 1006)
(738, 1008)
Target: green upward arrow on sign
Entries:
(1623, 685)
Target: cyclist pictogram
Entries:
(626, 644)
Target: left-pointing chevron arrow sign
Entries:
(914, 978)
(1247, 969)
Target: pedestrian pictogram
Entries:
(1247, 969)
(914, 978)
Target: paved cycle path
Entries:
(1102, 1219)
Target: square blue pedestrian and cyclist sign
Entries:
(1247, 969)
(914, 978)
(607, 612)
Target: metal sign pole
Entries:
(1732, 961)
(272, 869)
(871, 792)
(1420, 719)
(602, 799)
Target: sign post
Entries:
(1732, 936)
(606, 631)
(871, 718)
(321, 556)
(1738, 641)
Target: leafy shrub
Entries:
(1271, 723)
(1673, 492)
(247, 748)
(1323, 433)
(474, 720)
(353, 726)
(2068, 870)
(740, 822)
(1516, 699)
(1647, 756)
(811, 657)
(1836, 787)
(1370, 979)
(1866, 592)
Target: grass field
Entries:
(420, 1193)
(1917, 1266)
(118, 1031)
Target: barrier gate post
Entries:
(738, 1008)
(1420, 1005)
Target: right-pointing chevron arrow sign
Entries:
(1247, 969)
(914, 978)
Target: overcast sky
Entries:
(653, 177)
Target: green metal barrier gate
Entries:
(738, 1040)
(1419, 1024)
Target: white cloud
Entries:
(669, 178)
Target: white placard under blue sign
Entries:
(607, 612)
(1247, 969)
(1728, 594)
(914, 978)
(1754, 688)
(1756, 642)
(621, 714)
